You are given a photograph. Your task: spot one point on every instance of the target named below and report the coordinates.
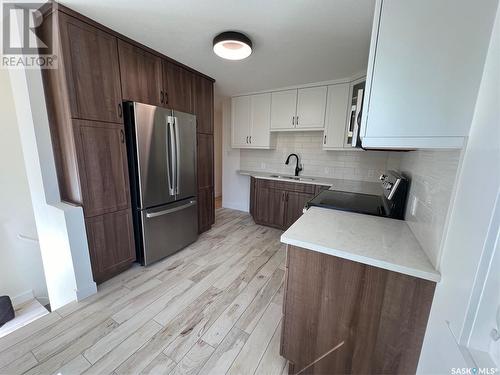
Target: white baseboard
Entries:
(86, 292)
(44, 301)
(22, 297)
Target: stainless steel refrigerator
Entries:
(161, 148)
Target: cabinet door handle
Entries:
(246, 140)
(324, 142)
(161, 96)
(120, 112)
(250, 139)
(293, 120)
(166, 98)
(122, 136)
(297, 121)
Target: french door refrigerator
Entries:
(161, 149)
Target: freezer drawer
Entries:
(169, 228)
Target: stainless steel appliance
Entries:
(161, 148)
(391, 202)
(353, 132)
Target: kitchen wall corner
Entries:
(432, 174)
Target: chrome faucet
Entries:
(298, 167)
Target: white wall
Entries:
(60, 227)
(21, 269)
(235, 188)
(470, 224)
(218, 148)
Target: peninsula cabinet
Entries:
(421, 89)
(98, 70)
(374, 317)
(279, 204)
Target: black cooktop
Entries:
(348, 201)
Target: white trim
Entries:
(87, 291)
(353, 78)
(22, 298)
(412, 143)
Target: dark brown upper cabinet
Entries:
(90, 60)
(103, 167)
(179, 87)
(203, 104)
(141, 75)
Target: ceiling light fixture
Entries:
(232, 45)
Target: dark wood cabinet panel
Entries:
(178, 83)
(205, 156)
(379, 315)
(103, 167)
(294, 206)
(206, 208)
(203, 104)
(205, 167)
(278, 203)
(141, 75)
(253, 182)
(270, 205)
(111, 243)
(90, 60)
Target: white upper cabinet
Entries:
(240, 121)
(311, 105)
(260, 120)
(283, 109)
(250, 121)
(298, 109)
(337, 109)
(425, 65)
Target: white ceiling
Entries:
(295, 41)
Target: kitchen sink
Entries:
(293, 178)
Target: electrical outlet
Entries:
(414, 204)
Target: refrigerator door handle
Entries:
(177, 156)
(170, 155)
(171, 210)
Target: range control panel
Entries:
(391, 181)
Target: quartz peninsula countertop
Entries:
(372, 240)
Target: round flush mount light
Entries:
(232, 45)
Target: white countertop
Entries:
(372, 240)
(354, 186)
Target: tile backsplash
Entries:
(351, 165)
(432, 175)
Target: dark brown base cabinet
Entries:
(98, 69)
(378, 317)
(279, 204)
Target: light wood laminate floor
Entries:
(212, 308)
